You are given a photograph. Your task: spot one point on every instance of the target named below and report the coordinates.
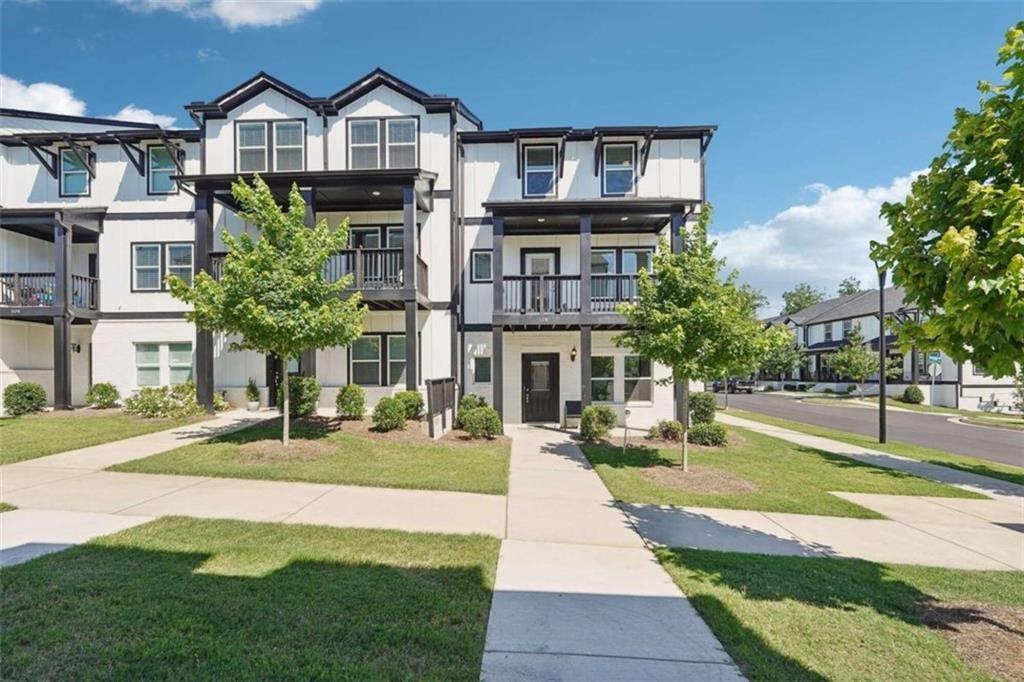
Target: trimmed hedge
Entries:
(913, 395)
(164, 401)
(708, 433)
(596, 421)
(667, 429)
(469, 401)
(482, 422)
(389, 415)
(351, 402)
(413, 403)
(24, 397)
(102, 395)
(303, 396)
(703, 407)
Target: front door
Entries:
(540, 387)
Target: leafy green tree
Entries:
(801, 296)
(689, 318)
(957, 240)
(782, 353)
(850, 285)
(857, 361)
(272, 293)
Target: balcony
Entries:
(36, 292)
(539, 300)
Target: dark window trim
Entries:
(382, 232)
(149, 172)
(60, 175)
(523, 252)
(554, 170)
(270, 160)
(382, 141)
(490, 369)
(619, 251)
(384, 370)
(636, 173)
(163, 263)
(472, 273)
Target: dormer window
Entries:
(252, 147)
(619, 175)
(539, 170)
(382, 143)
(74, 176)
(161, 171)
(289, 146)
(402, 143)
(270, 146)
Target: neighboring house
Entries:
(495, 257)
(822, 328)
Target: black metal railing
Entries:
(39, 289)
(538, 294)
(608, 291)
(85, 292)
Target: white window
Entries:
(366, 361)
(482, 370)
(619, 168)
(146, 267)
(74, 176)
(401, 143)
(252, 147)
(638, 378)
(289, 146)
(161, 170)
(179, 261)
(828, 331)
(396, 359)
(602, 378)
(162, 364)
(847, 328)
(147, 364)
(179, 362)
(364, 144)
(481, 267)
(539, 171)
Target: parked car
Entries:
(735, 385)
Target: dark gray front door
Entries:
(540, 387)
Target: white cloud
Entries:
(232, 13)
(820, 243)
(208, 54)
(134, 113)
(48, 97)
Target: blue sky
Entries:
(824, 109)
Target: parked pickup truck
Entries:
(735, 385)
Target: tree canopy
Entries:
(957, 240)
(850, 285)
(801, 296)
(782, 354)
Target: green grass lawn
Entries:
(789, 477)
(231, 600)
(1005, 472)
(1016, 423)
(36, 435)
(921, 407)
(348, 456)
(797, 618)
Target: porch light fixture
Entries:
(572, 354)
(624, 218)
(375, 192)
(540, 220)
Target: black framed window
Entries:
(289, 146)
(161, 171)
(396, 359)
(74, 176)
(619, 173)
(363, 144)
(482, 370)
(366, 359)
(178, 258)
(252, 147)
(828, 331)
(153, 261)
(401, 142)
(481, 266)
(638, 378)
(539, 170)
(602, 378)
(383, 143)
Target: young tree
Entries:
(957, 240)
(690, 319)
(272, 293)
(801, 296)
(850, 285)
(782, 354)
(857, 361)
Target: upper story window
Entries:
(252, 147)
(382, 143)
(151, 262)
(847, 328)
(481, 266)
(289, 146)
(539, 170)
(828, 331)
(635, 260)
(161, 171)
(619, 176)
(74, 176)
(271, 145)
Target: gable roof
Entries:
(860, 304)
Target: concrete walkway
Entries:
(577, 594)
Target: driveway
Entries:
(933, 431)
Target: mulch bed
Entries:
(986, 636)
(698, 479)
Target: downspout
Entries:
(460, 237)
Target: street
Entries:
(933, 431)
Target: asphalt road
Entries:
(933, 431)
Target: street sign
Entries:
(934, 370)
(934, 358)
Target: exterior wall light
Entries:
(572, 354)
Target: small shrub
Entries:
(707, 433)
(768, 388)
(913, 395)
(24, 397)
(482, 422)
(252, 391)
(801, 387)
(851, 388)
(596, 421)
(703, 407)
(828, 391)
(220, 402)
(667, 429)
(103, 395)
(788, 387)
(351, 402)
(303, 396)
(413, 403)
(469, 401)
(162, 401)
(389, 415)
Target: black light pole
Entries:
(881, 354)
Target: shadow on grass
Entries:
(111, 612)
(308, 428)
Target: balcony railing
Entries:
(371, 269)
(39, 289)
(557, 294)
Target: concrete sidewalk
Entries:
(577, 594)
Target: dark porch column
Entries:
(62, 238)
(412, 341)
(307, 361)
(204, 339)
(497, 370)
(681, 391)
(585, 367)
(498, 306)
(585, 288)
(410, 247)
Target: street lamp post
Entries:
(881, 355)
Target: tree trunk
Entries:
(287, 406)
(725, 387)
(686, 447)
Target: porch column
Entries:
(204, 339)
(585, 367)
(681, 391)
(412, 342)
(409, 243)
(498, 306)
(307, 360)
(62, 238)
(585, 287)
